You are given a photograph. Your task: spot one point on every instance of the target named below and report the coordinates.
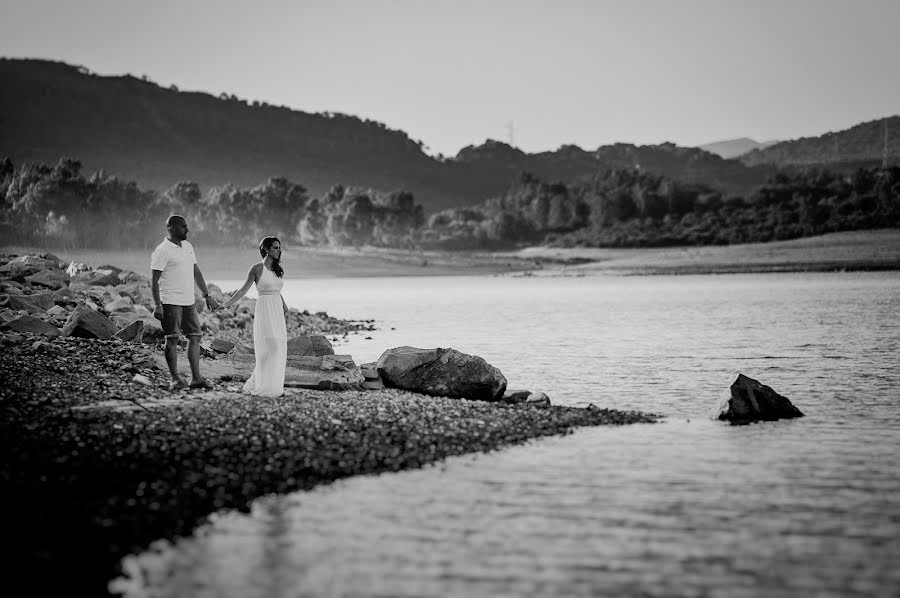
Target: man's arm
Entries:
(154, 288)
(198, 279)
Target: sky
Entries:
(536, 73)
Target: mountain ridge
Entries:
(158, 136)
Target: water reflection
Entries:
(682, 508)
(805, 507)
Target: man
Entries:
(174, 272)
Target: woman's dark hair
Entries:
(276, 264)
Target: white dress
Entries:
(269, 338)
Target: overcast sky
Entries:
(455, 72)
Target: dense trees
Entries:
(58, 206)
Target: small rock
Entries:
(538, 399)
(141, 379)
(514, 397)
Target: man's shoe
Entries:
(202, 383)
(176, 385)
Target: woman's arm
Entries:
(287, 312)
(252, 277)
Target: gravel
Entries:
(86, 482)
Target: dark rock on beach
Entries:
(441, 372)
(752, 401)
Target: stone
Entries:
(139, 291)
(35, 303)
(87, 323)
(26, 265)
(514, 397)
(133, 333)
(58, 311)
(316, 345)
(120, 304)
(751, 401)
(537, 399)
(370, 370)
(141, 379)
(53, 279)
(373, 384)
(242, 349)
(441, 372)
(220, 345)
(32, 325)
(98, 278)
(39, 347)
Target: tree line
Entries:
(633, 208)
(56, 205)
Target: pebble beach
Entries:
(99, 458)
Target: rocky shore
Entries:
(99, 458)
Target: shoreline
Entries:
(97, 466)
(851, 251)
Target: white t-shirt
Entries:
(176, 285)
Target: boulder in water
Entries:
(752, 401)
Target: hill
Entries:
(859, 146)
(732, 148)
(158, 136)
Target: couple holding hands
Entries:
(174, 272)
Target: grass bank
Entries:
(855, 250)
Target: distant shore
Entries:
(854, 250)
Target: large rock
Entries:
(133, 333)
(87, 323)
(120, 304)
(27, 265)
(315, 345)
(441, 372)
(32, 325)
(139, 291)
(53, 279)
(36, 303)
(751, 401)
(100, 278)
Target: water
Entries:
(690, 507)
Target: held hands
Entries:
(158, 312)
(212, 304)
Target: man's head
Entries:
(177, 227)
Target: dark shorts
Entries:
(178, 319)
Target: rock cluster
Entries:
(40, 291)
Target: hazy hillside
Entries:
(732, 148)
(158, 136)
(858, 146)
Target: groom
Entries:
(174, 272)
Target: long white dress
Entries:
(269, 338)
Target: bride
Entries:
(269, 328)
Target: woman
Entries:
(269, 328)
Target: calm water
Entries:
(689, 507)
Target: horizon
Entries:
(530, 71)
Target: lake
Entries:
(687, 507)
